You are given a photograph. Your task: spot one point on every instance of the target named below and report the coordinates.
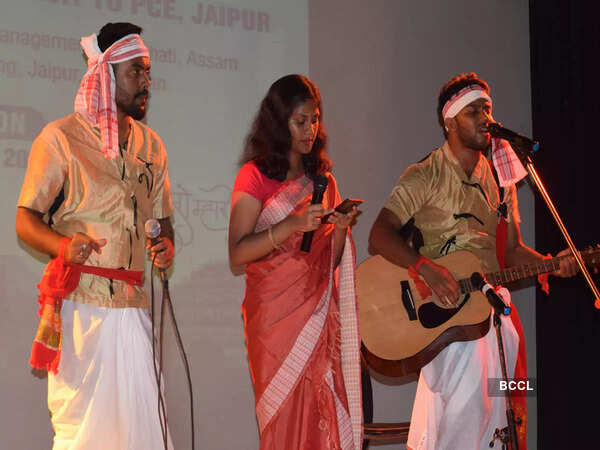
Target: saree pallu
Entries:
(301, 326)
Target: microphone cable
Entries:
(161, 402)
(166, 298)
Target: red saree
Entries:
(302, 336)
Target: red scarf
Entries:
(60, 278)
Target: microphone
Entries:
(520, 141)
(152, 230)
(320, 184)
(479, 281)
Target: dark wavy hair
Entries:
(269, 140)
(454, 86)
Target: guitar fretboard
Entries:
(591, 257)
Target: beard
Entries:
(475, 141)
(134, 109)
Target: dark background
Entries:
(564, 49)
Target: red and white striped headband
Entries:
(462, 98)
(509, 168)
(95, 98)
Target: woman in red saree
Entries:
(300, 312)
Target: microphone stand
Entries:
(509, 433)
(525, 157)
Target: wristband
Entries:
(420, 261)
(542, 279)
(64, 241)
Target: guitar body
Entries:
(401, 332)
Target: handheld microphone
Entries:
(320, 184)
(152, 230)
(493, 298)
(523, 142)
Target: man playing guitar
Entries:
(457, 202)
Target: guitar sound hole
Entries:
(432, 316)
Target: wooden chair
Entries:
(378, 431)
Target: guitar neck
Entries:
(516, 273)
(522, 272)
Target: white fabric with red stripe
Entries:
(95, 98)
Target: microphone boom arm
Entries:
(533, 175)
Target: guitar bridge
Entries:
(407, 300)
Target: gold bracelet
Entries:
(272, 239)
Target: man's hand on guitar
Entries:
(441, 282)
(568, 265)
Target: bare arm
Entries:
(518, 253)
(246, 246)
(32, 229)
(386, 241)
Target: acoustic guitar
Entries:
(401, 332)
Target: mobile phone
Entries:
(345, 207)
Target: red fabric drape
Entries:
(60, 278)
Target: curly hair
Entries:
(269, 140)
(454, 86)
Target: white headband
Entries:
(462, 98)
(507, 164)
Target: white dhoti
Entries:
(105, 395)
(452, 409)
